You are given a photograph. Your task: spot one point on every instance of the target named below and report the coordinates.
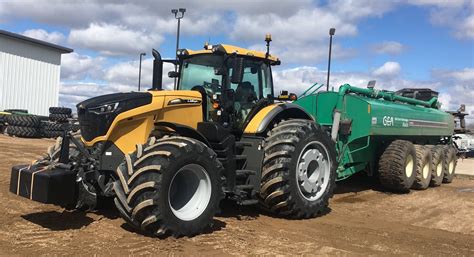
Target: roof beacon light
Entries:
(268, 39)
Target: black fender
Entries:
(282, 112)
(184, 131)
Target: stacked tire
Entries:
(404, 166)
(20, 125)
(58, 119)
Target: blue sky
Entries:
(401, 43)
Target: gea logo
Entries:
(387, 121)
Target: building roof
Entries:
(61, 49)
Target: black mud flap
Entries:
(44, 184)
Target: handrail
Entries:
(306, 91)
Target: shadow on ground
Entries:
(59, 220)
(359, 182)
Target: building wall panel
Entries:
(29, 76)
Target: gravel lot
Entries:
(363, 220)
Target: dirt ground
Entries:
(363, 220)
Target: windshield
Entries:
(201, 71)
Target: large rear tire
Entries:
(423, 167)
(397, 166)
(299, 169)
(171, 185)
(449, 164)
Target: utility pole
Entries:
(140, 71)
(332, 31)
(178, 14)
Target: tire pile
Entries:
(24, 125)
(58, 118)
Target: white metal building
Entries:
(29, 73)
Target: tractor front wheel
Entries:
(169, 186)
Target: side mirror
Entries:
(237, 71)
(173, 74)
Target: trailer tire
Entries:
(437, 160)
(23, 120)
(397, 166)
(27, 132)
(449, 164)
(299, 170)
(423, 167)
(60, 110)
(146, 193)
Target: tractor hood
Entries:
(97, 114)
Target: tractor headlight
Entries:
(106, 108)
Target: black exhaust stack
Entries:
(157, 83)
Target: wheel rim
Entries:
(409, 166)
(189, 192)
(439, 169)
(313, 171)
(451, 167)
(426, 171)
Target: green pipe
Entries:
(387, 95)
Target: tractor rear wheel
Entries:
(171, 185)
(437, 173)
(423, 167)
(397, 166)
(299, 169)
(449, 164)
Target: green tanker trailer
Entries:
(404, 141)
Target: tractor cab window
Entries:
(255, 85)
(199, 73)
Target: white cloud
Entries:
(126, 73)
(76, 67)
(41, 34)
(110, 39)
(439, 3)
(388, 69)
(456, 14)
(389, 47)
(467, 28)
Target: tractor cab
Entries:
(232, 80)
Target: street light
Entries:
(332, 31)
(140, 71)
(178, 14)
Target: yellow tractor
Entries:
(169, 157)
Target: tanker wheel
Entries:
(299, 169)
(169, 186)
(437, 172)
(397, 166)
(449, 164)
(423, 167)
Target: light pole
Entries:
(140, 71)
(178, 14)
(332, 31)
